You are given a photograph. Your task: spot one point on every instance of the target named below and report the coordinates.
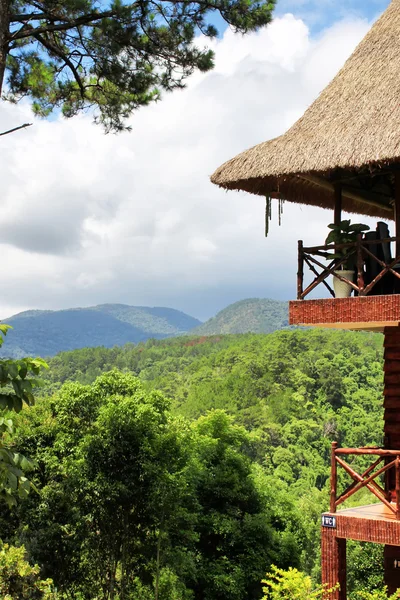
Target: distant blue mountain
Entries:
(44, 333)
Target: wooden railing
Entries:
(367, 479)
(357, 251)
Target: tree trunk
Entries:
(158, 558)
(124, 558)
(4, 35)
(157, 585)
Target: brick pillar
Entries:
(333, 557)
(392, 389)
(392, 438)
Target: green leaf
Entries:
(12, 370)
(358, 228)
(23, 370)
(17, 404)
(16, 383)
(13, 481)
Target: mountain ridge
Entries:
(48, 332)
(251, 315)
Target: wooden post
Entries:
(360, 264)
(333, 477)
(397, 466)
(397, 209)
(300, 271)
(338, 204)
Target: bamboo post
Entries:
(337, 219)
(360, 264)
(337, 216)
(397, 209)
(300, 272)
(397, 467)
(333, 477)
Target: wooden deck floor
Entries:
(371, 511)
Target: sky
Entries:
(89, 218)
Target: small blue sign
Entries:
(328, 521)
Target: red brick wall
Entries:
(391, 392)
(360, 309)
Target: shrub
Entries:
(295, 585)
(19, 579)
(292, 585)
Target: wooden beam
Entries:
(338, 203)
(397, 208)
(347, 193)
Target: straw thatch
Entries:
(354, 123)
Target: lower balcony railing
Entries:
(387, 464)
(375, 271)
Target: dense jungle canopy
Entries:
(186, 468)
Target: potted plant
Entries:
(344, 233)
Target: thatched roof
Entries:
(350, 133)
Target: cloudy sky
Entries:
(88, 218)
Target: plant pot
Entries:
(341, 288)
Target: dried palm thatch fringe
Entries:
(355, 122)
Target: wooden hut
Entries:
(343, 154)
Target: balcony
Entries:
(381, 478)
(373, 287)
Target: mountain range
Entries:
(253, 315)
(46, 332)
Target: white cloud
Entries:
(88, 218)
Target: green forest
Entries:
(189, 468)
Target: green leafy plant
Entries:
(292, 585)
(19, 579)
(376, 595)
(344, 233)
(16, 387)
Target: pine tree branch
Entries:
(16, 128)
(89, 19)
(55, 50)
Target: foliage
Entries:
(295, 585)
(135, 499)
(246, 456)
(16, 386)
(376, 595)
(364, 567)
(344, 233)
(114, 56)
(292, 585)
(294, 390)
(18, 579)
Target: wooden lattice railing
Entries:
(367, 479)
(358, 251)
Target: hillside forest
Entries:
(188, 468)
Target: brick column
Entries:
(392, 438)
(333, 557)
(392, 389)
